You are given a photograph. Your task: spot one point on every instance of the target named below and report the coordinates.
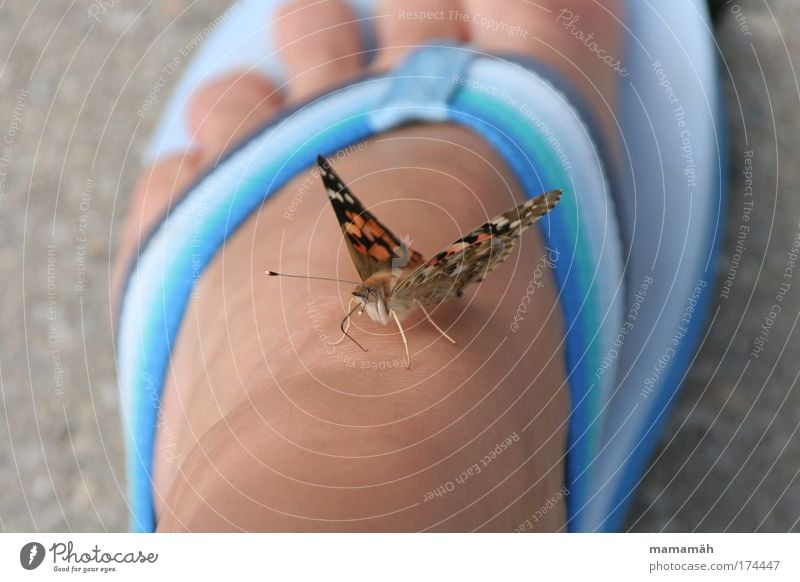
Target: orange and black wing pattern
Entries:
(470, 258)
(372, 246)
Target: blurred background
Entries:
(70, 149)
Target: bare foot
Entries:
(269, 430)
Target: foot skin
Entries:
(265, 426)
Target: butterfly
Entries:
(396, 279)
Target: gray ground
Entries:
(69, 90)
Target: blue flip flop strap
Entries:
(543, 138)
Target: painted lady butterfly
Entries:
(395, 279)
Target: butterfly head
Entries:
(373, 302)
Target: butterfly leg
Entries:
(433, 323)
(403, 335)
(346, 324)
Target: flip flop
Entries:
(636, 251)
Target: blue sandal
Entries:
(635, 273)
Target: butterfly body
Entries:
(396, 279)
(374, 295)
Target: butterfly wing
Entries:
(372, 246)
(471, 257)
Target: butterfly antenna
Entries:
(274, 274)
(344, 331)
